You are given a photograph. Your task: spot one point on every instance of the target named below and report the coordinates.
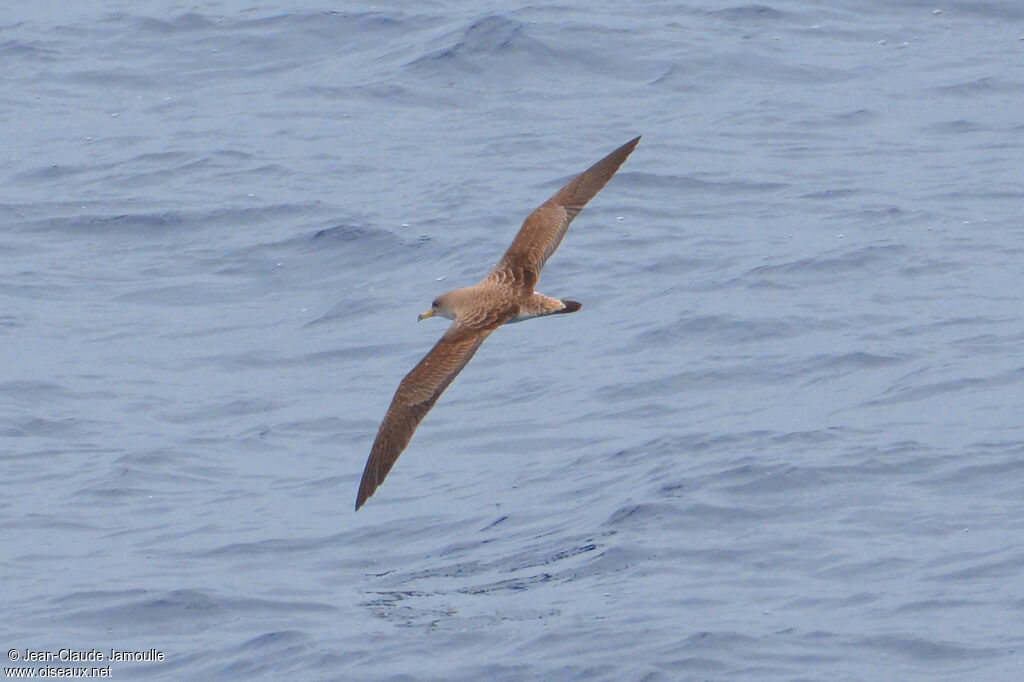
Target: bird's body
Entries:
(504, 296)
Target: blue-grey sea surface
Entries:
(782, 440)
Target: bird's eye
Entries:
(434, 304)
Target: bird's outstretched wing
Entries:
(417, 393)
(542, 231)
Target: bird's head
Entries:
(445, 305)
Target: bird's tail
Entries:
(570, 307)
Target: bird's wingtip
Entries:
(361, 498)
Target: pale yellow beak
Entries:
(423, 316)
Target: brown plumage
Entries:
(505, 295)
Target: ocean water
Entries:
(781, 441)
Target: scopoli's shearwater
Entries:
(505, 295)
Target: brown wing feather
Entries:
(416, 394)
(542, 231)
